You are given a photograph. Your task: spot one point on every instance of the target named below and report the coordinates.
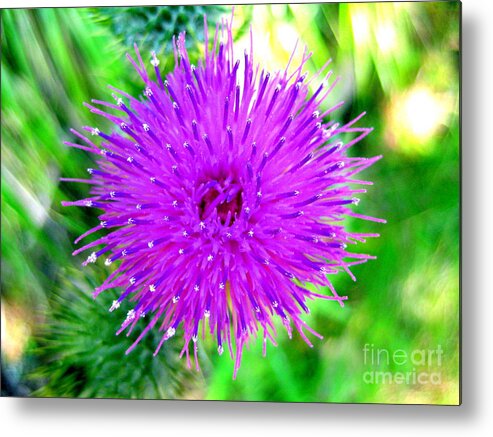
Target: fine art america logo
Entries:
(385, 366)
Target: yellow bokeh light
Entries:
(15, 331)
(287, 36)
(361, 26)
(414, 117)
(386, 37)
(423, 111)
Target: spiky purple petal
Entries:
(224, 192)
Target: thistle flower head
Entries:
(223, 189)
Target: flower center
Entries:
(225, 197)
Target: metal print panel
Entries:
(270, 210)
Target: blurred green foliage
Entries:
(153, 27)
(398, 62)
(76, 330)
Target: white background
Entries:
(39, 417)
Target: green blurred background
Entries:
(397, 61)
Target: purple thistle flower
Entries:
(224, 192)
